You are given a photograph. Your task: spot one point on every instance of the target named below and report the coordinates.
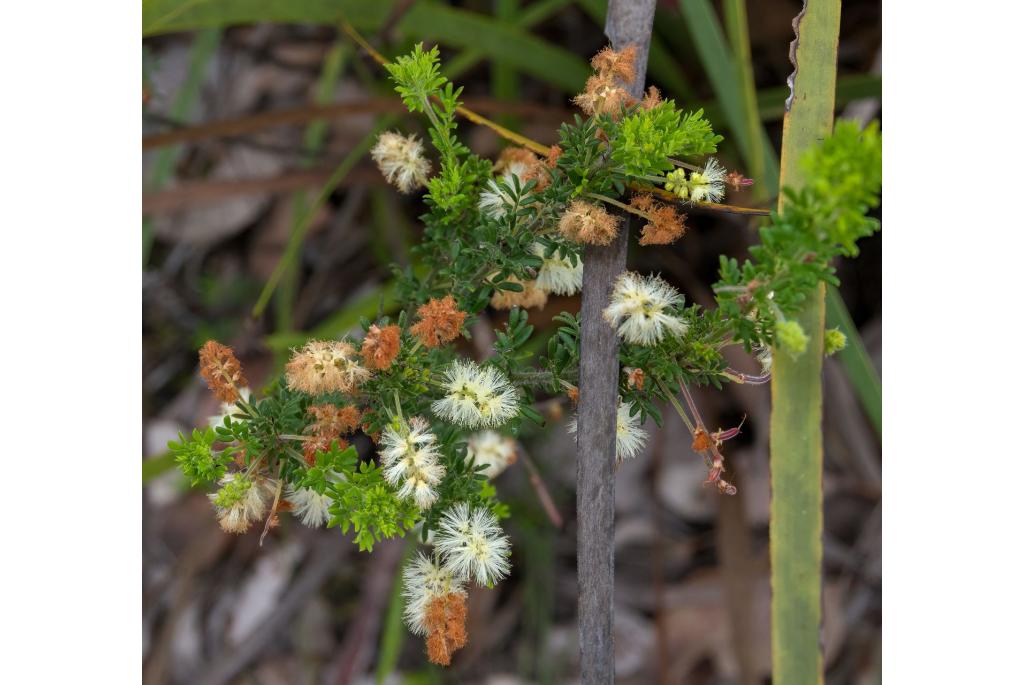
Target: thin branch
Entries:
(541, 489)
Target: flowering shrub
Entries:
(506, 235)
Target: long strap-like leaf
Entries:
(796, 441)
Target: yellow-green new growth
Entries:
(790, 336)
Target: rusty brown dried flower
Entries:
(222, 371)
(331, 421)
(320, 443)
(554, 152)
(381, 346)
(446, 627)
(619, 64)
(635, 377)
(664, 224)
(651, 99)
(588, 223)
(602, 95)
(440, 322)
(524, 164)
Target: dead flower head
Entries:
(331, 421)
(320, 443)
(634, 377)
(380, 346)
(554, 152)
(530, 296)
(446, 627)
(222, 371)
(325, 366)
(602, 95)
(616, 63)
(401, 160)
(588, 223)
(651, 99)
(440, 322)
(664, 224)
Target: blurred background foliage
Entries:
(265, 223)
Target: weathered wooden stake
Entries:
(629, 22)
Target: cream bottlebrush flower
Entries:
(423, 580)
(641, 308)
(476, 397)
(588, 223)
(532, 295)
(241, 501)
(497, 451)
(473, 545)
(309, 506)
(325, 366)
(410, 460)
(708, 185)
(629, 436)
(229, 409)
(400, 158)
(557, 274)
(764, 355)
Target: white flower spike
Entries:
(629, 436)
(424, 579)
(401, 160)
(309, 506)
(708, 185)
(472, 545)
(641, 308)
(476, 397)
(557, 275)
(411, 461)
(496, 450)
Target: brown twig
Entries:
(198, 193)
(254, 123)
(541, 489)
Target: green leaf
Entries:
(796, 441)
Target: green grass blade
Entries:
(855, 359)
(203, 48)
(312, 142)
(153, 467)
(504, 77)
(501, 42)
(796, 441)
(717, 60)
(298, 234)
(526, 18)
(739, 40)
(392, 632)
